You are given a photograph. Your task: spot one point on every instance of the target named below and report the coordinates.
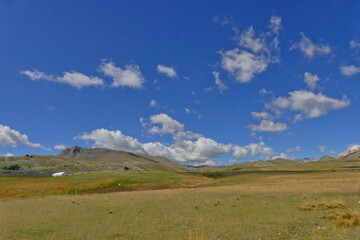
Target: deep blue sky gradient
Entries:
(59, 36)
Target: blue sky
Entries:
(212, 82)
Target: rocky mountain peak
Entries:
(350, 150)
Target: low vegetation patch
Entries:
(344, 219)
(12, 167)
(323, 206)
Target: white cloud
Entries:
(263, 91)
(247, 40)
(240, 152)
(349, 70)
(268, 126)
(261, 115)
(354, 44)
(309, 104)
(258, 51)
(60, 146)
(187, 110)
(322, 148)
(130, 76)
(309, 48)
(294, 149)
(153, 103)
(187, 147)
(79, 80)
(243, 64)
(221, 86)
(260, 149)
(311, 80)
(168, 125)
(282, 155)
(74, 79)
(168, 71)
(9, 155)
(37, 75)
(112, 139)
(275, 24)
(13, 138)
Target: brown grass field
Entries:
(304, 205)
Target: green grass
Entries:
(23, 187)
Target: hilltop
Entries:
(78, 159)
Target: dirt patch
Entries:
(132, 187)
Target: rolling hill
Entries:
(77, 159)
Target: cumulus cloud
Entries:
(221, 86)
(240, 152)
(309, 104)
(112, 139)
(153, 103)
(11, 137)
(249, 41)
(73, 78)
(60, 146)
(349, 70)
(309, 48)
(268, 126)
(130, 76)
(311, 80)
(256, 52)
(294, 149)
(187, 147)
(260, 149)
(168, 71)
(167, 124)
(354, 44)
(243, 64)
(9, 155)
(282, 155)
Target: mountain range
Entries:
(78, 159)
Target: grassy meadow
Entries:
(304, 205)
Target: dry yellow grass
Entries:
(323, 206)
(261, 206)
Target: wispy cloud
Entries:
(310, 49)
(349, 70)
(73, 78)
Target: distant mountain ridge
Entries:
(79, 159)
(350, 150)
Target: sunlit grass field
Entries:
(306, 205)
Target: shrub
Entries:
(12, 167)
(126, 168)
(348, 219)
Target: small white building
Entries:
(60, 174)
